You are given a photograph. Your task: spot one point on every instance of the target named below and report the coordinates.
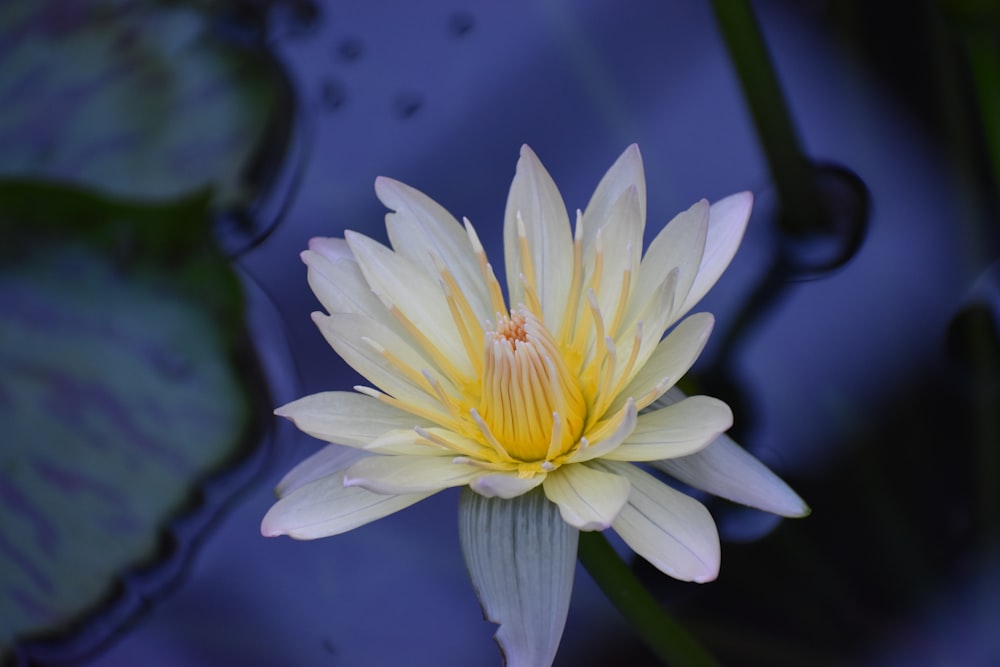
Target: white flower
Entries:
(546, 392)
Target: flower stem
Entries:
(984, 62)
(791, 169)
(662, 634)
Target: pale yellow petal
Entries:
(680, 246)
(672, 531)
(536, 202)
(587, 498)
(326, 507)
(328, 461)
(346, 418)
(671, 359)
(421, 229)
(626, 172)
(349, 336)
(416, 295)
(727, 222)
(398, 475)
(504, 485)
(677, 430)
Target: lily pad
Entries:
(134, 99)
(122, 387)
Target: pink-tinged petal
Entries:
(669, 529)
(677, 430)
(346, 418)
(327, 461)
(727, 222)
(504, 485)
(521, 558)
(422, 230)
(725, 469)
(409, 474)
(330, 248)
(588, 499)
(325, 507)
(535, 199)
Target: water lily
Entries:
(540, 404)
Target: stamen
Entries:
(530, 402)
(613, 387)
(492, 284)
(486, 465)
(527, 262)
(567, 327)
(438, 441)
(453, 406)
(622, 301)
(418, 378)
(413, 408)
(555, 442)
(595, 363)
(437, 356)
(530, 296)
(487, 434)
(461, 312)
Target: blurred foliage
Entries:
(121, 387)
(134, 99)
(125, 376)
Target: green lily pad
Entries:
(136, 100)
(121, 388)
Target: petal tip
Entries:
(268, 527)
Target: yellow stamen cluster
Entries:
(529, 401)
(525, 399)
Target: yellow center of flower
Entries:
(529, 400)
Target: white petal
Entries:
(412, 289)
(521, 558)
(336, 280)
(421, 228)
(655, 318)
(587, 498)
(327, 461)
(605, 438)
(625, 173)
(346, 418)
(725, 469)
(504, 485)
(669, 529)
(403, 441)
(409, 474)
(326, 507)
(677, 430)
(679, 246)
(727, 221)
(672, 358)
(535, 197)
(347, 333)
(331, 249)
(621, 245)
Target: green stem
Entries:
(984, 61)
(662, 634)
(791, 169)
